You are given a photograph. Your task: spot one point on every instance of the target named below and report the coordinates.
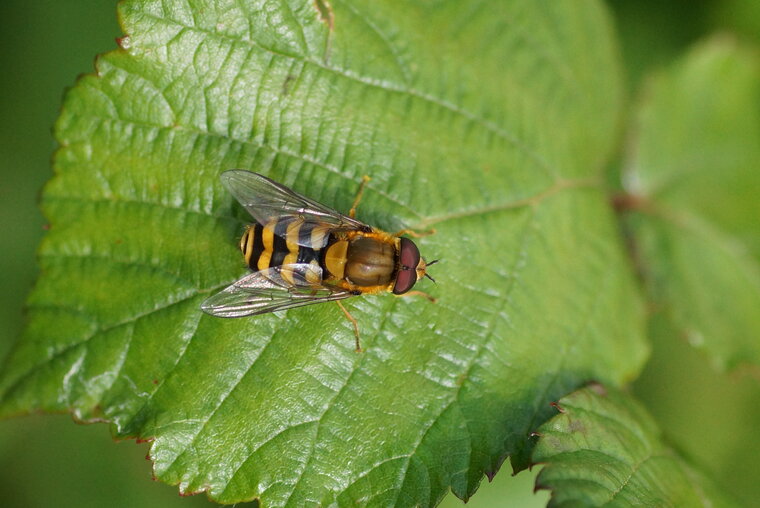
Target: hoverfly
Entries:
(302, 252)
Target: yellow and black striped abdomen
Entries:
(282, 242)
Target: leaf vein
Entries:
(99, 331)
(329, 405)
(481, 348)
(387, 86)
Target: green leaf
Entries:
(491, 123)
(702, 412)
(603, 449)
(742, 18)
(695, 183)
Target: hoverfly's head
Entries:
(411, 267)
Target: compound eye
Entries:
(409, 258)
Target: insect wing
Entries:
(270, 291)
(267, 201)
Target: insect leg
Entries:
(419, 293)
(354, 322)
(414, 234)
(358, 198)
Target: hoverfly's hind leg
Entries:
(420, 293)
(353, 322)
(358, 198)
(415, 234)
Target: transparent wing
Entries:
(267, 200)
(273, 289)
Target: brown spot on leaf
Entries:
(325, 11)
(326, 16)
(286, 84)
(577, 426)
(598, 388)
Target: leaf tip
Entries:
(124, 42)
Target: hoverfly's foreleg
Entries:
(358, 198)
(420, 293)
(415, 234)
(354, 322)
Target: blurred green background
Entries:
(50, 461)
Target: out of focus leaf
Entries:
(654, 33)
(603, 449)
(703, 413)
(694, 184)
(490, 122)
(738, 16)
